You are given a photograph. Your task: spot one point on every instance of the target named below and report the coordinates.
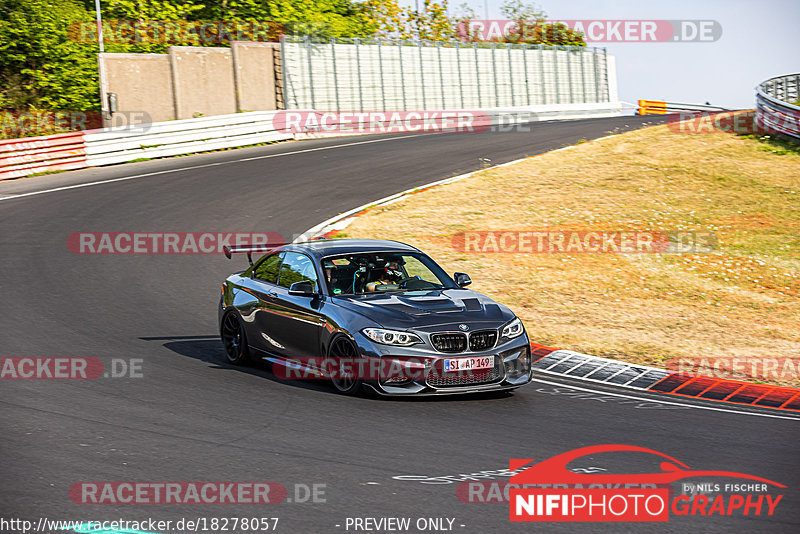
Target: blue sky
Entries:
(760, 39)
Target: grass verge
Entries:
(737, 303)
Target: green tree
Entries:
(533, 28)
(431, 23)
(40, 66)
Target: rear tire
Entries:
(234, 339)
(343, 348)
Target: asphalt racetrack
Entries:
(192, 417)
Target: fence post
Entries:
(402, 74)
(605, 73)
(555, 74)
(358, 66)
(310, 76)
(510, 75)
(421, 75)
(583, 75)
(335, 74)
(494, 71)
(525, 68)
(541, 74)
(477, 75)
(441, 75)
(380, 66)
(569, 51)
(458, 63)
(596, 75)
(286, 89)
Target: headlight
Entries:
(391, 337)
(512, 329)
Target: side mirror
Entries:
(462, 279)
(302, 289)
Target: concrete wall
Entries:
(254, 74)
(142, 82)
(194, 81)
(203, 81)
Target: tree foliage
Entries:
(40, 67)
(390, 20)
(434, 23)
(43, 65)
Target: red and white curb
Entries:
(644, 378)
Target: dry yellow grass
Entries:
(739, 301)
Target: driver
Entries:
(389, 275)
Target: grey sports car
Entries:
(372, 313)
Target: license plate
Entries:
(468, 364)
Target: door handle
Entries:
(272, 294)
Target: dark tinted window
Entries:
(296, 268)
(267, 270)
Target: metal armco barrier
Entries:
(93, 148)
(173, 138)
(31, 155)
(661, 107)
(778, 105)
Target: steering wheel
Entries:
(402, 282)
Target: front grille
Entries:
(449, 342)
(482, 340)
(437, 377)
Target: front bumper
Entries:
(426, 376)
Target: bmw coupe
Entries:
(370, 313)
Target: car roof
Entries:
(321, 248)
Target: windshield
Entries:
(378, 272)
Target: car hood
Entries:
(429, 310)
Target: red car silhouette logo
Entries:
(554, 470)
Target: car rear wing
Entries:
(250, 249)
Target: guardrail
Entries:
(661, 107)
(32, 155)
(778, 105)
(172, 138)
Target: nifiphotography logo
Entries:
(549, 491)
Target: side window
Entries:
(267, 270)
(296, 268)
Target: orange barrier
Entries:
(652, 107)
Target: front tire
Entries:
(234, 339)
(349, 384)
